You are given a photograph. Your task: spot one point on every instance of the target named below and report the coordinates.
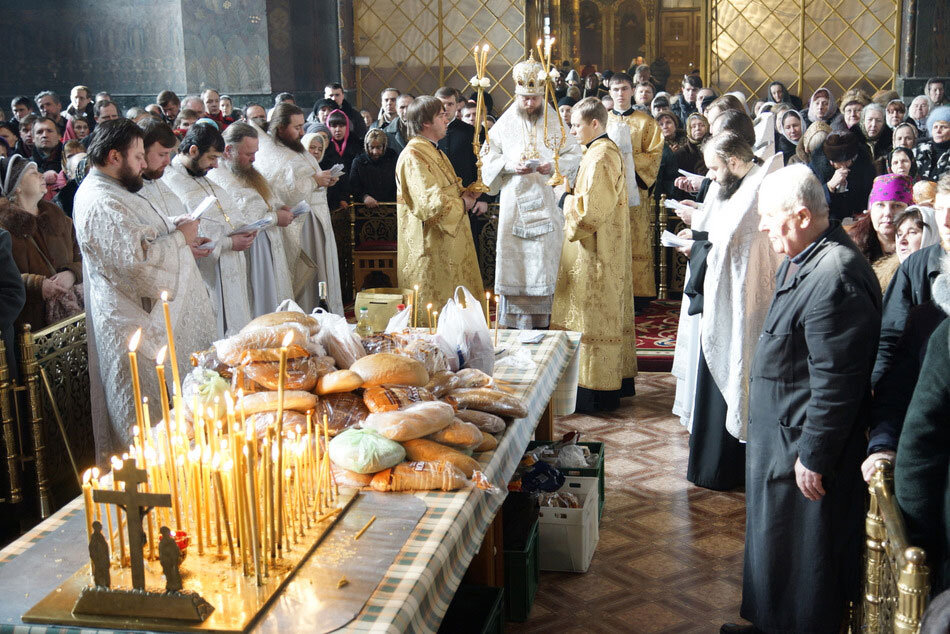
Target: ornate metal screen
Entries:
(419, 45)
(806, 44)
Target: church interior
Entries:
(664, 555)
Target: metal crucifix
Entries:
(140, 503)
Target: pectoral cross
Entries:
(140, 503)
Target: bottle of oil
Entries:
(363, 328)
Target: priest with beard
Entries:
(225, 269)
(295, 177)
(731, 278)
(518, 164)
(268, 270)
(131, 255)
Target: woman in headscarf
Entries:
(822, 107)
(905, 136)
(812, 139)
(851, 104)
(917, 114)
(778, 93)
(790, 135)
(900, 160)
(916, 229)
(873, 131)
(341, 150)
(689, 156)
(875, 231)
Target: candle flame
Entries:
(429, 306)
(87, 476)
(195, 454)
(228, 464)
(134, 341)
(287, 339)
(164, 296)
(485, 47)
(135, 430)
(95, 473)
(115, 462)
(216, 462)
(160, 357)
(539, 42)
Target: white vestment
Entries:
(765, 136)
(268, 267)
(530, 224)
(131, 253)
(737, 292)
(312, 252)
(225, 270)
(619, 132)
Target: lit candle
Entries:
(169, 333)
(487, 318)
(87, 501)
(281, 378)
(435, 320)
(169, 448)
(117, 464)
(496, 320)
(484, 60)
(134, 364)
(415, 305)
(477, 66)
(252, 497)
(429, 313)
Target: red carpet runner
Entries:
(656, 336)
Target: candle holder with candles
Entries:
(555, 141)
(481, 83)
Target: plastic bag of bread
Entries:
(338, 339)
(263, 344)
(415, 421)
(489, 443)
(284, 317)
(209, 387)
(489, 423)
(208, 360)
(560, 499)
(386, 398)
(382, 343)
(489, 400)
(420, 476)
(297, 400)
(388, 368)
(427, 450)
(428, 353)
(351, 479)
(473, 377)
(262, 421)
(365, 451)
(343, 411)
(301, 373)
(441, 383)
(458, 434)
(465, 330)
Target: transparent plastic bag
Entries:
(399, 321)
(341, 343)
(466, 330)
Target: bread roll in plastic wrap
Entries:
(441, 383)
(267, 401)
(283, 317)
(489, 400)
(473, 377)
(261, 344)
(302, 373)
(489, 423)
(387, 368)
(415, 421)
(342, 410)
(420, 476)
(459, 434)
(489, 443)
(386, 398)
(262, 421)
(429, 450)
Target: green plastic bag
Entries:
(365, 451)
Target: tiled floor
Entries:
(670, 554)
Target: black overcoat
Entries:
(810, 390)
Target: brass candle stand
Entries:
(555, 143)
(480, 82)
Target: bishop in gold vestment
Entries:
(647, 146)
(594, 291)
(435, 247)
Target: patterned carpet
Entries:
(656, 335)
(670, 554)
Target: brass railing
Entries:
(897, 580)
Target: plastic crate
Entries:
(476, 609)
(569, 536)
(522, 576)
(592, 472)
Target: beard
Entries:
(531, 116)
(196, 172)
(294, 144)
(729, 186)
(153, 175)
(248, 175)
(130, 180)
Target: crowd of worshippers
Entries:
(812, 338)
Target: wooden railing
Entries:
(897, 580)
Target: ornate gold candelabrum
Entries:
(554, 142)
(480, 82)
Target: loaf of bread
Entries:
(339, 381)
(283, 317)
(297, 400)
(441, 383)
(341, 344)
(262, 421)
(386, 398)
(473, 377)
(387, 368)
(458, 434)
(429, 450)
(489, 423)
(489, 400)
(263, 344)
(345, 478)
(342, 410)
(420, 476)
(427, 353)
(301, 374)
(415, 421)
(489, 443)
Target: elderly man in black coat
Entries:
(810, 390)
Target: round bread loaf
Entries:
(282, 317)
(339, 381)
(267, 401)
(385, 367)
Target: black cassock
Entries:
(809, 398)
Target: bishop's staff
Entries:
(548, 75)
(480, 82)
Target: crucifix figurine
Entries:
(140, 503)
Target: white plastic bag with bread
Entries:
(415, 421)
(429, 476)
(458, 434)
(428, 450)
(338, 338)
(264, 343)
(462, 324)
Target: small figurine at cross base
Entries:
(99, 556)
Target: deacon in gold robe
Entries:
(435, 247)
(594, 291)
(641, 146)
